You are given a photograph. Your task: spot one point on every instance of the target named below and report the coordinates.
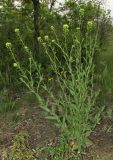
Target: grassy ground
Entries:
(28, 118)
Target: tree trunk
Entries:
(36, 5)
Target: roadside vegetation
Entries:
(56, 81)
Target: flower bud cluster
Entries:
(65, 27)
(89, 25)
(82, 11)
(17, 30)
(46, 38)
(15, 65)
(8, 45)
(52, 28)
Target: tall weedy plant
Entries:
(71, 104)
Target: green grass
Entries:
(105, 66)
(7, 103)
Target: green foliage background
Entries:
(22, 17)
(73, 14)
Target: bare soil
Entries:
(29, 118)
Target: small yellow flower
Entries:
(15, 64)
(26, 48)
(52, 28)
(50, 79)
(73, 145)
(44, 44)
(29, 58)
(46, 38)
(17, 30)
(53, 41)
(39, 39)
(90, 24)
(82, 12)
(8, 45)
(78, 28)
(65, 26)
